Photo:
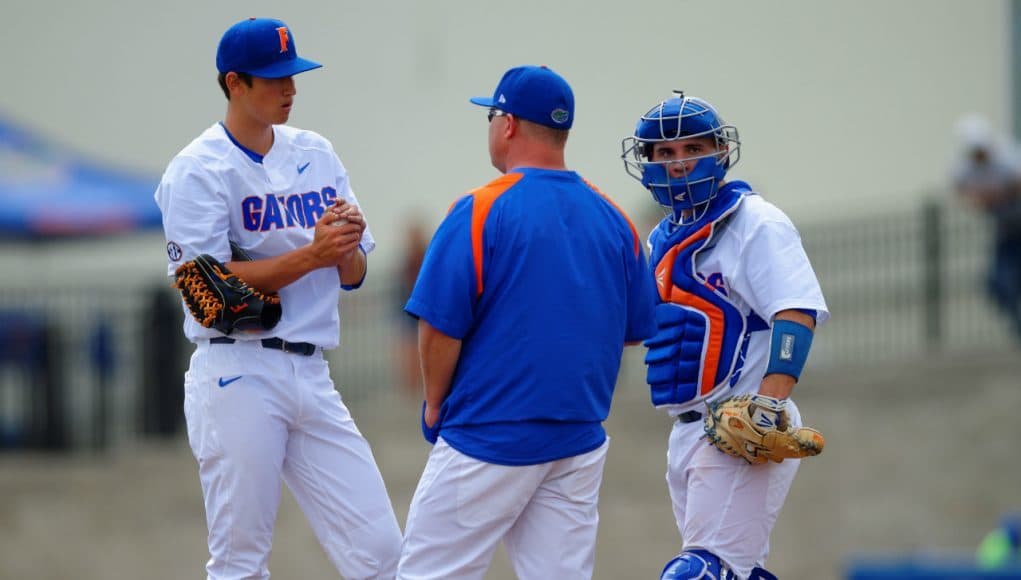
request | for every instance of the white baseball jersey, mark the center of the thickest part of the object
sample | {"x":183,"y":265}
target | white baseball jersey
{"x":213,"y":193}
{"x":756,"y":259}
{"x":255,"y":414}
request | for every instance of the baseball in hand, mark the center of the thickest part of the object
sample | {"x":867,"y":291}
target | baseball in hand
{"x":341,"y":220}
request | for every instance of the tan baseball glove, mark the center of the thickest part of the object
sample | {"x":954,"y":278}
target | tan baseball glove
{"x":757,"y":428}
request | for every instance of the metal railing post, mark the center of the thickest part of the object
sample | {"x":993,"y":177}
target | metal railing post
{"x":932,"y":274}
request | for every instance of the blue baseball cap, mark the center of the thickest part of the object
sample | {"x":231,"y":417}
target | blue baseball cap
{"x":261,"y":47}
{"x":534,"y":93}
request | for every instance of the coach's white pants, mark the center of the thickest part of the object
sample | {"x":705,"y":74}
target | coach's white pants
{"x":283,"y":417}
{"x":722,"y":503}
{"x":546,"y":515}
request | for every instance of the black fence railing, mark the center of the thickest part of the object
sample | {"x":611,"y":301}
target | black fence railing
{"x":904,"y":285}
{"x":81,"y":367}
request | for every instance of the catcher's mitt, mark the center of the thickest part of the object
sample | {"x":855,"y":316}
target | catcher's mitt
{"x":757,"y":429}
{"x":219,"y":299}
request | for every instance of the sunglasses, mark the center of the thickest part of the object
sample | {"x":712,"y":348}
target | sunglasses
{"x":496,"y":113}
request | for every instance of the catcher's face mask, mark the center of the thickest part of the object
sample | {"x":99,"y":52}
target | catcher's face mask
{"x":686,"y":195}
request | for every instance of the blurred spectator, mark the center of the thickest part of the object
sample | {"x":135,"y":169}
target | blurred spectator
{"x":415,"y":242}
{"x":988,"y":177}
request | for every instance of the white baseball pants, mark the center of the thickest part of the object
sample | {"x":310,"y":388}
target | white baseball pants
{"x":722,"y":503}
{"x":545,"y":514}
{"x":256,"y":414}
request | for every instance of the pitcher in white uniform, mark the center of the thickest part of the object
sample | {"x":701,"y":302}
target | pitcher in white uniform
{"x":261,"y":406}
{"x":734,"y":283}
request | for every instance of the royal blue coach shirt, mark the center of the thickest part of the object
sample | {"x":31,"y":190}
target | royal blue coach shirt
{"x":543,"y":279}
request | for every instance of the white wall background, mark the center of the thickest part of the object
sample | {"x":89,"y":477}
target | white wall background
{"x":845,"y":108}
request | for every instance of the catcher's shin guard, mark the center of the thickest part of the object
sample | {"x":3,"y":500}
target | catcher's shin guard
{"x":696,"y":565}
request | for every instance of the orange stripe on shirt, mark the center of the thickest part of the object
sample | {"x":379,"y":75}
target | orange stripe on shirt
{"x":634,"y":230}
{"x":665,"y":267}
{"x":482,"y":201}
{"x":714,"y":342}
{"x":668,"y":292}
{"x":700,"y":235}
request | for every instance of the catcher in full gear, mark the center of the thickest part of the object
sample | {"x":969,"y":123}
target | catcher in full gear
{"x":737,"y":307}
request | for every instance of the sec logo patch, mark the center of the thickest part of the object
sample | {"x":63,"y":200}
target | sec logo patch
{"x":174,"y":252}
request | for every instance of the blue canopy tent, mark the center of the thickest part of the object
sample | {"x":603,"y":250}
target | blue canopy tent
{"x":51,"y":321}
{"x":47,"y":191}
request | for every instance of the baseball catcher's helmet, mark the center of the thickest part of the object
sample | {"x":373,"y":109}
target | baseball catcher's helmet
{"x":680,"y":117}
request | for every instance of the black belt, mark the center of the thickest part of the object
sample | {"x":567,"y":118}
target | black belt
{"x":302,"y":348}
{"x":689,"y":417}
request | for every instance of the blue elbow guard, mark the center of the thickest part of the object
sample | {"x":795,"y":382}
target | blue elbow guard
{"x":788,"y":348}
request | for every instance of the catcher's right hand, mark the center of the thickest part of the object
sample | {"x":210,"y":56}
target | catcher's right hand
{"x":219,"y":299}
{"x":757,"y":429}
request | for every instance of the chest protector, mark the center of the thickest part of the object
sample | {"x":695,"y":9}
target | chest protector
{"x":701,"y":336}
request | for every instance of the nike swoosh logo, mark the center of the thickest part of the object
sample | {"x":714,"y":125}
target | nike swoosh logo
{"x":301,"y":168}
{"x":225,"y":382}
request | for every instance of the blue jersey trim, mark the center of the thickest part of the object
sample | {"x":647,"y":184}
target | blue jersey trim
{"x":756,"y":323}
{"x":358,"y":284}
{"x":251,"y":154}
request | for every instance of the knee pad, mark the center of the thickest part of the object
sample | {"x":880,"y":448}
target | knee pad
{"x":696,"y":565}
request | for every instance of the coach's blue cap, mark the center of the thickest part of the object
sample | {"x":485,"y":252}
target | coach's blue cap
{"x":534,"y":93}
{"x":261,"y":47}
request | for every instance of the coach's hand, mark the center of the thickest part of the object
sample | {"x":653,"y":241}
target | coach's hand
{"x":430,"y":423}
{"x":431,"y":415}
